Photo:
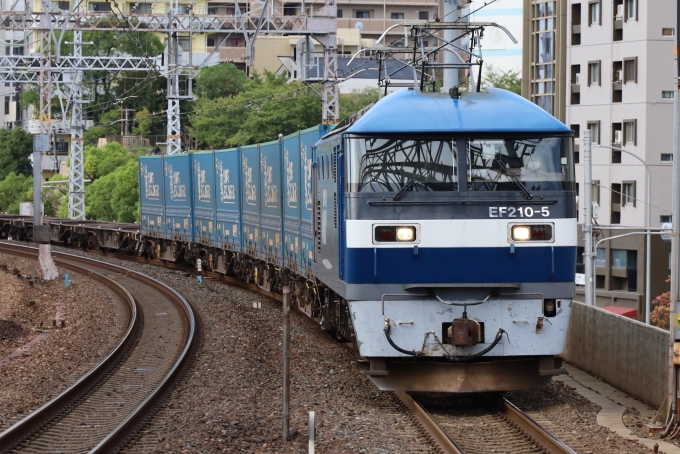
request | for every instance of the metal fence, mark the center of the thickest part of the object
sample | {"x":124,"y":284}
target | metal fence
{"x":137,"y":141}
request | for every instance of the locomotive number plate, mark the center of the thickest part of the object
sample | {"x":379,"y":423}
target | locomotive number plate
{"x":521,"y":212}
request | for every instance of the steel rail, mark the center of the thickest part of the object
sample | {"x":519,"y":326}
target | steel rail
{"x":117,"y":437}
{"x":24,"y":428}
{"x":547,"y":440}
{"x":428,"y":424}
{"x":517,"y":417}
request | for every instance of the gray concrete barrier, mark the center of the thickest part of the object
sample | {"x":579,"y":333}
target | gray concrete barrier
{"x":625,"y":353}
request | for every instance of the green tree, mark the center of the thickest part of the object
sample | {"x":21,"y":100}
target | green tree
{"x":220,"y":81}
{"x":267,"y":106}
{"x":144,"y":122}
{"x":510,"y":80}
{"x":100,"y":162}
{"x":125,"y":197}
{"x":16,"y":145}
{"x":98,"y":197}
{"x":115,"y":196}
{"x":14,"y":189}
{"x":356,"y":100}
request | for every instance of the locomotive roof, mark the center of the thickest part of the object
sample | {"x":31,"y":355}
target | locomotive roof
{"x":493,"y":110}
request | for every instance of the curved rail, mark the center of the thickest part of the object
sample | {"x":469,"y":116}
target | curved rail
{"x":47,"y":412}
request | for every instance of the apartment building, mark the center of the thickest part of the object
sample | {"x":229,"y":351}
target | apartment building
{"x":619,"y":61}
{"x":544,"y":54}
{"x":14,"y":43}
{"x":497,"y":48}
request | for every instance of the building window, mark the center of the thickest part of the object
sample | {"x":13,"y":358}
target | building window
{"x":577,"y":133}
{"x":628,"y":193}
{"x":630,"y":132}
{"x":423,"y":15}
{"x":631,"y":9}
{"x":615,"y":203}
{"x":363,"y":15}
{"x":575,"y":74}
{"x":100,"y":7}
{"x":667,"y":32}
{"x":594,"y":17}
{"x":142,"y":8}
{"x":594,"y":73}
{"x":594,"y":127}
{"x":665,"y":218}
{"x":339,"y":13}
{"x":397,"y":16}
{"x":630,"y":70}
{"x":667,"y":95}
{"x":576,"y":24}
{"x":6,"y":105}
{"x":210,"y":41}
{"x":543,"y":86}
{"x":666,"y":157}
{"x":290,"y":10}
{"x":617,"y":134}
{"x":601,"y":257}
{"x":619,"y":258}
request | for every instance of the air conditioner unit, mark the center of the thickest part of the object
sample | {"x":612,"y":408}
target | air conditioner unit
{"x":618,"y":75}
{"x":619,"y":12}
{"x":618,"y":136}
{"x":577,"y":78}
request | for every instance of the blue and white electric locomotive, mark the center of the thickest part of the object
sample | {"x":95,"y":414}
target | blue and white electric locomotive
{"x":445,"y":237}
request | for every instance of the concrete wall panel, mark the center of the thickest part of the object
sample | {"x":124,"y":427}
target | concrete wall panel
{"x":625,"y":353}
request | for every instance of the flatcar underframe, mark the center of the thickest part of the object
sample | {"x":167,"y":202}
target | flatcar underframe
{"x":309,"y":296}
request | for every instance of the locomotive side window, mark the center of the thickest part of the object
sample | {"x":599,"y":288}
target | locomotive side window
{"x":505,"y":164}
{"x":391,"y":165}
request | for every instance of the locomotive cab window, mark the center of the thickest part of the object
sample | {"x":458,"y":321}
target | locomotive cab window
{"x":520,"y":164}
{"x":394,"y":164}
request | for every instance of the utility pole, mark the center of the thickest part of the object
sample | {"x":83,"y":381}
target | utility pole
{"x":41,"y":144}
{"x":76,"y":181}
{"x":174,"y":129}
{"x":674,"y":308}
{"x":588,"y":258}
{"x":451,"y":14}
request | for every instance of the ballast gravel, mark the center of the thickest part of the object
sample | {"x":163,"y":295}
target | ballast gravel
{"x":94,"y":321}
{"x":230,"y":399}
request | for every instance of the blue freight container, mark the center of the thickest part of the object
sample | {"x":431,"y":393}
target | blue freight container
{"x":228,"y":199}
{"x":178,"y":213}
{"x":271,"y":214}
{"x":308,"y":138}
{"x":291,"y":203}
{"x":250,"y":187}
{"x":151,"y":216}
{"x":203,"y":192}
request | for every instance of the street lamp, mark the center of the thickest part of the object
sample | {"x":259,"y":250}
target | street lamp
{"x":648,"y":224}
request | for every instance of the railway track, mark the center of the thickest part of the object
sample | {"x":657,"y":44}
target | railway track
{"x":506,"y":428}
{"x":103,"y":409}
{"x":472,"y":424}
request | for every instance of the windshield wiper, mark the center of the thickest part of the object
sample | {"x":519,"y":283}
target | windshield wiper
{"x":407,"y":186}
{"x":514,"y":178}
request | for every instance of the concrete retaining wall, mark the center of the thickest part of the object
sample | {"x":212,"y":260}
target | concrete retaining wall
{"x":625,"y":353}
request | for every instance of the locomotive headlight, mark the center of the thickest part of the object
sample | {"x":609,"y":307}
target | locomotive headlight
{"x":521,"y":233}
{"x":395,"y":234}
{"x":406,"y":233}
{"x":531,"y":232}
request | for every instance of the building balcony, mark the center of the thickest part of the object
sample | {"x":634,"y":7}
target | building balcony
{"x":373,"y":26}
{"x":230,"y":53}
